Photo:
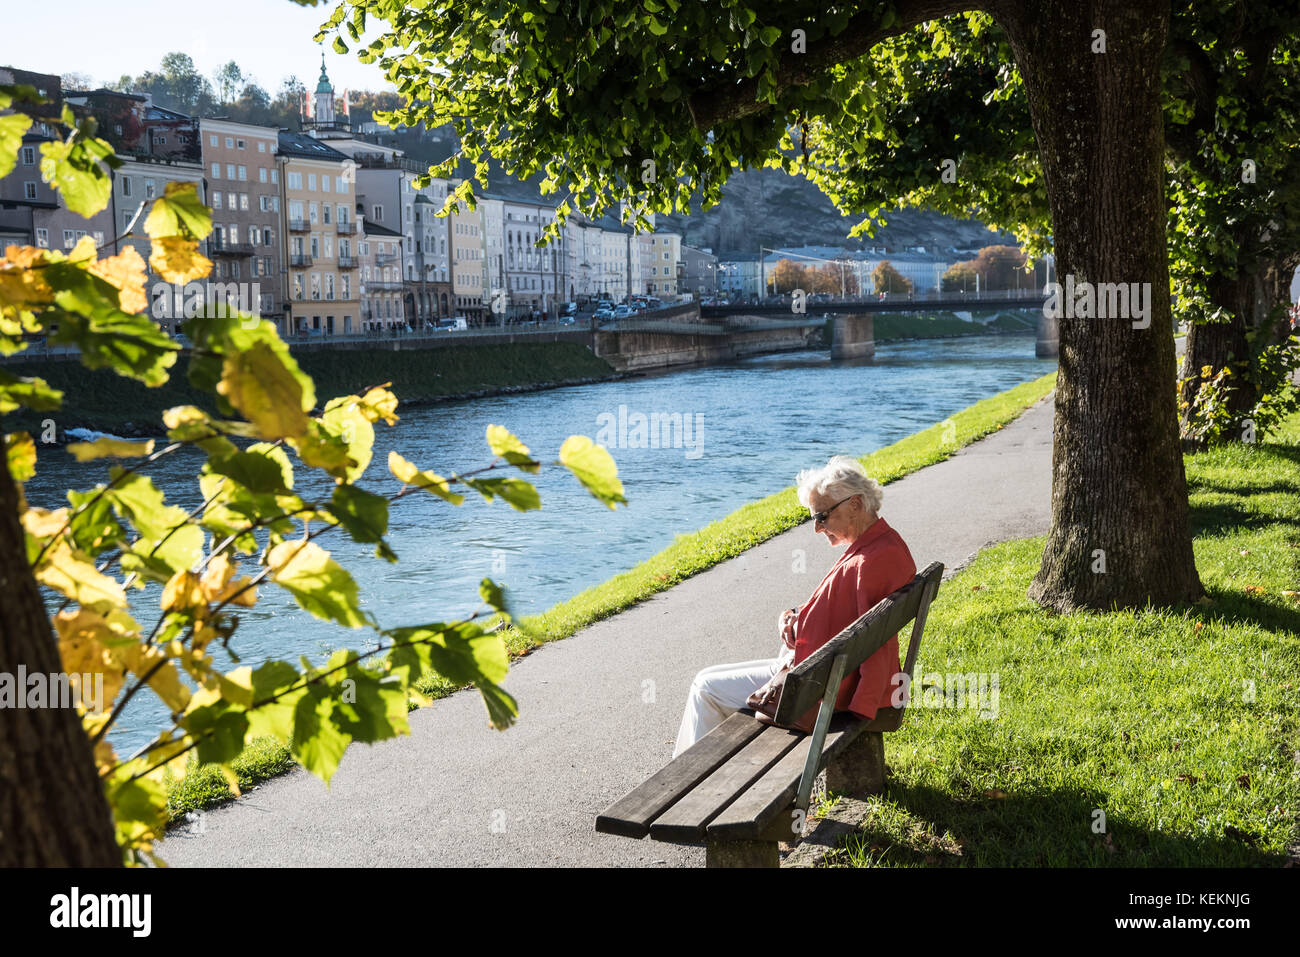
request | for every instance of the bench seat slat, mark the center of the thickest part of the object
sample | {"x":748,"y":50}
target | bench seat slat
{"x":632,"y":815}
{"x":774,"y":793}
{"x":686,"y":820}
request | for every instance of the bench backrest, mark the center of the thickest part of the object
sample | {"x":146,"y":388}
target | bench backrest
{"x":807,"y":682}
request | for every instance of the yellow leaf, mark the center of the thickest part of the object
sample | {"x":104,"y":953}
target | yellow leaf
{"x":164,"y":679}
{"x":257,"y":382}
{"x":79,"y":579}
{"x":85,"y":648}
{"x":84,"y":252}
{"x":42,"y":523}
{"x":20,"y":283}
{"x":108,"y":447}
{"x":408,"y":474}
{"x":183,"y":595}
{"x":379,"y":403}
{"x":126,"y":272}
{"x":179,"y":260}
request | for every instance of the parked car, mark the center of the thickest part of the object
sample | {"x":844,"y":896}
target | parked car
{"x":570,"y":309}
{"x":604,"y":312}
{"x":622,"y":312}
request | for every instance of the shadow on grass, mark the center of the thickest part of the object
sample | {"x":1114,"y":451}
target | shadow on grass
{"x":1051,"y":828}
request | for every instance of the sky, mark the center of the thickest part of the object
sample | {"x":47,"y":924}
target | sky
{"x":132,"y":36}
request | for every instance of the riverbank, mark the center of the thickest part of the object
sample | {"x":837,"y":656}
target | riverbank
{"x":691,"y":554}
{"x":100,"y":399}
{"x":1161,"y":738}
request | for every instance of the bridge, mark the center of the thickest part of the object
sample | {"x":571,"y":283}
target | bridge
{"x":950,"y":302}
{"x":688,"y":333}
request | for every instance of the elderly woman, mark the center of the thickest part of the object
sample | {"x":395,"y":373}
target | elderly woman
{"x":844,"y":504}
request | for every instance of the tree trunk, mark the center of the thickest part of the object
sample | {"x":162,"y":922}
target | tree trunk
{"x":53,"y":812}
{"x":1119,"y":535}
{"x":1250,"y":298}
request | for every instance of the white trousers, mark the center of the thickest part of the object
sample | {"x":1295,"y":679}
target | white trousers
{"x":719,"y":691}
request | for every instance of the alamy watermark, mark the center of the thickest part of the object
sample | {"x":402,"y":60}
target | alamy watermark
{"x":59,"y":690}
{"x":657,"y":430}
{"x":206,"y":300}
{"x":975,"y":690}
{"x":1103,"y":300}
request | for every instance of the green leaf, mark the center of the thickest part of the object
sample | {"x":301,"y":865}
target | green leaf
{"x":73,"y":167}
{"x":319,"y":584}
{"x":364,"y":515}
{"x":29,"y":391}
{"x":90,"y":318}
{"x":520,"y":495}
{"x":178,"y":212}
{"x":20,"y":455}
{"x":318,"y":743}
{"x":257,"y":471}
{"x":462,"y":654}
{"x":594,"y":468}
{"x":221,"y":729}
{"x":507,"y":446}
{"x":12,"y":128}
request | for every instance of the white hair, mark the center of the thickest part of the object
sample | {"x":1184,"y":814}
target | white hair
{"x":840,"y":478}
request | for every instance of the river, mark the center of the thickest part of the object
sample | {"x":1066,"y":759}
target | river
{"x":754,"y":424}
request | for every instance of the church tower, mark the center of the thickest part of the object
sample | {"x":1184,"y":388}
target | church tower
{"x":324,"y":97}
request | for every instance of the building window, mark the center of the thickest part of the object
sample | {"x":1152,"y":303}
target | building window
{"x":325,"y":184}
{"x":262,"y":203}
{"x":126,"y":186}
{"x":243,"y":201}
{"x":261,"y":174}
{"x":230,"y":200}
{"x":268,"y":236}
{"x":329,"y":285}
{"x":377,"y":213}
{"x":43,"y":238}
{"x":275,"y":176}
{"x":69,"y":239}
{"x":29,"y":189}
{"x":230,"y":171}
{"x":29,"y":156}
{"x":216,"y":199}
{"x":212,"y":140}
{"x":148,"y":189}
{"x":325,"y":211}
{"x":243,"y":172}
{"x":261,"y":146}
{"x":311,"y":182}
{"x":239,"y":144}
{"x":216,"y":169}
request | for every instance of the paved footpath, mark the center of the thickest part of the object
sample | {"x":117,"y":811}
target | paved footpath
{"x":599,"y":711}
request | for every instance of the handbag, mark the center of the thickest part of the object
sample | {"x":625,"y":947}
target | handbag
{"x":767,"y":699}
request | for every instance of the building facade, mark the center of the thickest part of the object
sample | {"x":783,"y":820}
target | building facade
{"x":322,"y":290}
{"x":243,"y":175}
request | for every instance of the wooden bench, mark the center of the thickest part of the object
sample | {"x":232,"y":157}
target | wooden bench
{"x":746,"y":785}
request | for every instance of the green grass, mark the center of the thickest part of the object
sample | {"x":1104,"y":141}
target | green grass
{"x":748,"y":526}
{"x":1142,"y":715}
{"x":101,"y":399}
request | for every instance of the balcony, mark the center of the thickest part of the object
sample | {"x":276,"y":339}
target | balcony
{"x":347,"y":262}
{"x":380,"y":285}
{"x":220,"y":247}
{"x":388,"y":259}
{"x":300,"y":226}
{"x":346,"y":229}
{"x":300,"y":259}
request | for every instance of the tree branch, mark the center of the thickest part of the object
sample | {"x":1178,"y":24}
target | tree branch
{"x":739,"y":100}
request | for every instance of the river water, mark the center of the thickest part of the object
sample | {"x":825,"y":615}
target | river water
{"x":752,"y":425}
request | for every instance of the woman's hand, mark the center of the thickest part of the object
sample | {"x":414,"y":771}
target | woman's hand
{"x":785,"y":625}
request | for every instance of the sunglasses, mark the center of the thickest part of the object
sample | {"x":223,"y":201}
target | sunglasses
{"x":819,"y":518}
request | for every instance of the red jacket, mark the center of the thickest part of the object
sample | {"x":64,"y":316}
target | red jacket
{"x":875,"y":565}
